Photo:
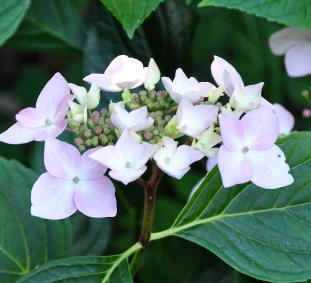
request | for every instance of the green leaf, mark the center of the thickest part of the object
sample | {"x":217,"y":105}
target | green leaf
{"x":131,"y":13}
{"x":50,"y":24}
{"x":104,"y":269}
{"x":91,"y":235}
{"x":11,"y":14}
{"x":25,"y":241}
{"x":263,"y":233}
{"x":289,"y":12}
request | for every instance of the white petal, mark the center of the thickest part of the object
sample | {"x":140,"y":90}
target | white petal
{"x":234,"y":167}
{"x":270,"y":170}
{"x":61,"y":159}
{"x":298,"y":60}
{"x":225,"y":75}
{"x":127,"y":176}
{"x":52,"y":198}
{"x":285,"y":118}
{"x":96,"y":198}
{"x":283,"y":40}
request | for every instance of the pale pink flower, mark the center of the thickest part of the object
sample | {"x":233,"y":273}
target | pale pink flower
{"x":135,"y":120}
{"x":285,"y":118}
{"x":241,"y":96}
{"x":46,"y":120}
{"x":194,"y":119}
{"x":122,"y":73}
{"x":72,"y":182}
{"x":184,"y":87}
{"x":295,"y":44}
{"x":175,"y":161}
{"x":306,"y":113}
{"x":126,"y":159}
{"x":248,"y":152}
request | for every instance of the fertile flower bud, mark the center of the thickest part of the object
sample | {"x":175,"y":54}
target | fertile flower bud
{"x":206,"y":141}
{"x":126,"y":95}
{"x":152,"y":76}
{"x":77,"y":114}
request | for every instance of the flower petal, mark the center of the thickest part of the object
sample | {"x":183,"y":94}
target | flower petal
{"x":62,"y":160}
{"x":91,"y":169}
{"x":103,"y":82}
{"x":19,"y":134}
{"x":270,"y":170}
{"x":96,"y":198}
{"x":285,"y":118}
{"x":261,"y":128}
{"x":231,"y":131}
{"x":127,"y":176}
{"x":283,"y":40}
{"x":31,"y":117}
{"x":298,"y":60}
{"x":108,"y":157}
{"x":193,"y":120}
{"x":52,"y":198}
{"x":234,"y":167}
{"x":225,"y":75}
{"x":53,"y":94}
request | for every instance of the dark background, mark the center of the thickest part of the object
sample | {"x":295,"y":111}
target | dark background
{"x":176,"y":35}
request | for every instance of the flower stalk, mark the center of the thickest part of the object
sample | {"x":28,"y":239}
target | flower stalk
{"x":150,"y":188}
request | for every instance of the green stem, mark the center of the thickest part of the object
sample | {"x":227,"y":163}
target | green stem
{"x":150,"y":189}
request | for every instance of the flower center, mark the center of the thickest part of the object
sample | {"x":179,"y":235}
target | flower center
{"x":128,"y":165}
{"x":167,"y":160}
{"x":48,"y":122}
{"x":76,"y":180}
{"x":245,"y":149}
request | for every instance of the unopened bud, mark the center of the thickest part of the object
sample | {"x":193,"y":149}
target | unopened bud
{"x":98,"y":130}
{"x":126,"y":96}
{"x":152,"y":76}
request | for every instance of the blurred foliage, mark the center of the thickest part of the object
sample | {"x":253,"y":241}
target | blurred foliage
{"x":79,"y":37}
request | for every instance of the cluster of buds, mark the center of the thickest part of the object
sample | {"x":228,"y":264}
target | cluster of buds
{"x":174,"y":127}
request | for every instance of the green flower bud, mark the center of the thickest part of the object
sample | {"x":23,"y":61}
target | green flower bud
{"x":171,"y":129}
{"x":126,"y":96}
{"x":95,"y":141}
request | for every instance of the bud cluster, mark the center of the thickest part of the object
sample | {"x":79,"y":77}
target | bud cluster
{"x":98,"y":131}
{"x":154,"y":100}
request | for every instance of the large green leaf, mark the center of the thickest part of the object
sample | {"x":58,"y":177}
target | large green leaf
{"x":131,"y":13}
{"x":25,"y":241}
{"x":50,"y":24}
{"x":289,"y":12}
{"x":91,"y":235}
{"x":263,"y":233}
{"x":11,"y":14}
{"x":104,"y":269}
